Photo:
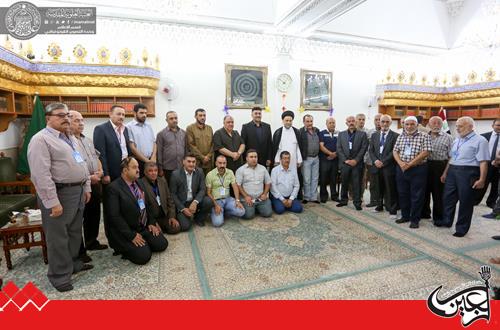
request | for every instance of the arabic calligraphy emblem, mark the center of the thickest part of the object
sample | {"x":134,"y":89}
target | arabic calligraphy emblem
{"x":23,"y":20}
{"x":473,"y":302}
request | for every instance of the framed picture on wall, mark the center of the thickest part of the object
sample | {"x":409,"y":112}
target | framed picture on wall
{"x":315,"y":90}
{"x":246,"y":86}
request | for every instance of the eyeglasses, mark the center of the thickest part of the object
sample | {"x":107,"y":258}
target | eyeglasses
{"x":60,"y":115}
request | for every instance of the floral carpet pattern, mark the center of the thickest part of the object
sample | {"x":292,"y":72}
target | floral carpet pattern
{"x":323,"y":253}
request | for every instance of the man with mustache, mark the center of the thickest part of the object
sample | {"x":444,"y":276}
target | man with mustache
{"x":441,"y":146}
{"x":133,"y":231}
{"x":92,"y":212}
{"x":62,"y":181}
{"x":410,"y":152}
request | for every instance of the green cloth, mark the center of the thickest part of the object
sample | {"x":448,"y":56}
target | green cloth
{"x":37,"y":123}
{"x":214,"y":181}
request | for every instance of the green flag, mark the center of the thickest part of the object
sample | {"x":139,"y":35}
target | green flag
{"x":37,"y":123}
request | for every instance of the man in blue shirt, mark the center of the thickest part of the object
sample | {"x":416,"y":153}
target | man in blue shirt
{"x":142,"y":139}
{"x":464,"y":175}
{"x":329,"y":163}
{"x":285,"y":186}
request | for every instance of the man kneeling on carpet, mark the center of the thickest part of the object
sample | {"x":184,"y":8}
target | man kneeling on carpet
{"x":135,"y":234}
{"x":285,"y":187}
{"x":254,"y":184}
{"x":159,"y":201}
{"x":218,"y":182}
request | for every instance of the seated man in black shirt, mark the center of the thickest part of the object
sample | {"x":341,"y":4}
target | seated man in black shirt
{"x":132,"y":231}
{"x":159,"y":202}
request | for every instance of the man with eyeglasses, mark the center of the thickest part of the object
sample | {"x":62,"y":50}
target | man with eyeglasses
{"x":62,"y":182}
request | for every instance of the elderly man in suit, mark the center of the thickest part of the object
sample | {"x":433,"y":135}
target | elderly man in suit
{"x":159,"y":200}
{"x":257,"y":135}
{"x":187,"y":186}
{"x":112,"y":141}
{"x":383,"y":170}
{"x":351,"y":148}
{"x":132,"y":231}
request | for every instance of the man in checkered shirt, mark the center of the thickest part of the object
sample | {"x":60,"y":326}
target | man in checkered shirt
{"x":410,"y":152}
{"x":441,"y":146}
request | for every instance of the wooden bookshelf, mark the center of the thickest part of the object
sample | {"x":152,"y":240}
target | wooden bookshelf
{"x":15,"y":104}
{"x":477,"y":112}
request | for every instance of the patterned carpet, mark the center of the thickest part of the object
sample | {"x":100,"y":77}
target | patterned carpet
{"x":323,"y":253}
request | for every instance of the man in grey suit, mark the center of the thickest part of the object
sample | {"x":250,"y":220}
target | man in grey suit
{"x":187,"y":186}
{"x":383,"y":170}
{"x":351,"y":148}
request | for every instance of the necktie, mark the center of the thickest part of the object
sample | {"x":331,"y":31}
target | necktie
{"x":495,"y":147}
{"x":382,"y":142}
{"x":119,"y":133}
{"x":138,"y":196}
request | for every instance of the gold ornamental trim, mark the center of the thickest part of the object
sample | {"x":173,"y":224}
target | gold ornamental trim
{"x":480,"y":97}
{"x":20,"y":77}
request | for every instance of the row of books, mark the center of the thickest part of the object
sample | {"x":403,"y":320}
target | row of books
{"x":80,"y":106}
{"x":3,"y":104}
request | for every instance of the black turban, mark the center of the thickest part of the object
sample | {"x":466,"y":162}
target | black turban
{"x":287,"y":113}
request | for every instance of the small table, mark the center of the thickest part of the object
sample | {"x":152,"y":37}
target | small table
{"x":12,"y":233}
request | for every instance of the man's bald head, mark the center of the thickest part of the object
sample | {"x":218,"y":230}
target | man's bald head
{"x":76,"y":123}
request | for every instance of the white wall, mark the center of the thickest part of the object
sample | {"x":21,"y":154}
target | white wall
{"x":194,"y":58}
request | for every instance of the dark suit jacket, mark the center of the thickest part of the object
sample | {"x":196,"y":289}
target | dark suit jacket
{"x":167,"y":202}
{"x":304,"y":142}
{"x":387,"y":156}
{"x":487,"y":135}
{"x":107,"y":143}
{"x":264,"y":146}
{"x":123,"y":214}
{"x":277,"y":140}
{"x":178,"y":187}
{"x":359,"y":147}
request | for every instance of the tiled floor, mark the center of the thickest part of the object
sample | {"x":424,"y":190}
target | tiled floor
{"x":324,"y":253}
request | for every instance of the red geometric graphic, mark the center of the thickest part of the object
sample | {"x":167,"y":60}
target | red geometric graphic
{"x":11,"y":297}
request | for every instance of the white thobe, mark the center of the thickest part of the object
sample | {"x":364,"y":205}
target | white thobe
{"x":289,"y":143}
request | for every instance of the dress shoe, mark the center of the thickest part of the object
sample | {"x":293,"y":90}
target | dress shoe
{"x":316,"y":201}
{"x":401,"y":220}
{"x":341,"y":204}
{"x":358,"y":208}
{"x":116,"y":253}
{"x":371,"y":205}
{"x":64,"y":288}
{"x":84,"y":268}
{"x":414,"y":225}
{"x":323,"y":201}
{"x":200,"y":223}
{"x":438,"y":224}
{"x":305,"y":201}
{"x":457,"y":234}
{"x":379,"y":209}
{"x":96,"y":246}
{"x":85,"y":258}
{"x":490,"y":216}
{"x":497,"y":237}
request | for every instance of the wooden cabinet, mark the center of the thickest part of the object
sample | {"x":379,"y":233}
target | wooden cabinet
{"x":14,"y":104}
{"x":477,"y":112}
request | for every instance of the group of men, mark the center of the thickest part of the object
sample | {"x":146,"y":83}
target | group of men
{"x":149,"y":185}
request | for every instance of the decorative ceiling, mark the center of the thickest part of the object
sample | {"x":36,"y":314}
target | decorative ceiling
{"x":430,"y":26}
